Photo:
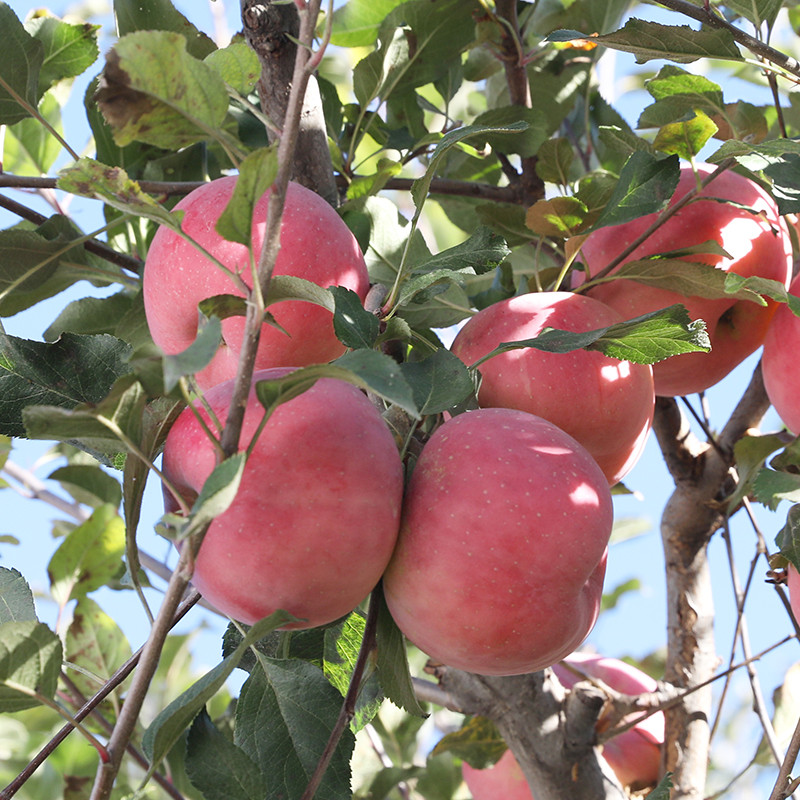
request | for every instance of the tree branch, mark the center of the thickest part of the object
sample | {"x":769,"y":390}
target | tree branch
{"x":272,"y":30}
{"x":551,"y":733}
{"x":694,"y":512}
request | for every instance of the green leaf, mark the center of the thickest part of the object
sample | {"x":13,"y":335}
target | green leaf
{"x":646,"y":185}
{"x":440,"y":382}
{"x":89,"y":557}
{"x":218,"y":492}
{"x":556,"y":157}
{"x":238,"y":65}
{"x":37,"y":264}
{"x":75,"y":369}
{"x":30,"y":659}
{"x":678,"y":92}
{"x":284,"y":717}
{"x":750,"y":453}
{"x":217,"y":767}
{"x":95,"y":644}
{"x":734,"y":284}
{"x":756,"y":11}
{"x":560,"y":216}
{"x":152,"y":90}
{"x":99,"y":428}
{"x":353,"y":324}
{"x":366,"y":369}
{"x":69,"y":49}
{"x":611,"y":598}
{"x":771,"y":487}
{"x":356,"y":24}
{"x":90,"y":315}
{"x":685,"y":139}
{"x":648,"y":40}
{"x":483,"y":251}
{"x":256,"y":174}
{"x":161,"y":15}
{"x":421,"y":186}
{"x":89,"y":484}
{"x":785,"y":177}
{"x":689,"y":278}
{"x":16,"y":598}
{"x":20,"y":66}
{"x":643,"y":340}
{"x":662,"y":791}
{"x":393,"y":671}
{"x":89,"y":178}
{"x":172,"y":721}
{"x":341,"y":651}
{"x":196,"y":356}
{"x":525,"y":141}
{"x":477,"y":741}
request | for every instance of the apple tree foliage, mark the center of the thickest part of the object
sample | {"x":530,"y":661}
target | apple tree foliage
{"x":469,"y":139}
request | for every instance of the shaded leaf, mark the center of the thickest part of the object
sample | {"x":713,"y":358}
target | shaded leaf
{"x":22,"y":61}
{"x":440,"y":382}
{"x":392,"y":664}
{"x":648,"y":40}
{"x":75,"y":369}
{"x":216,"y":766}
{"x":173,"y":720}
{"x":646,"y":185}
{"x":256,"y":174}
{"x":89,"y":484}
{"x":561,"y":216}
{"x":284,"y":717}
{"x":30,"y":659}
{"x":477,"y":741}
{"x":770,"y":487}
{"x":160,"y":15}
{"x":16,"y":598}
{"x":354,"y":326}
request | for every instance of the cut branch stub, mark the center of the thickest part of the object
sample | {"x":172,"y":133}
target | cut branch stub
{"x":271,"y":29}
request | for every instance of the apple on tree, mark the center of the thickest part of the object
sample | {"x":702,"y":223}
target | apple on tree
{"x":779,"y":363}
{"x":604,"y":403}
{"x":501,"y":555}
{"x":752,"y":232}
{"x":316,"y":515}
{"x":315,"y":245}
{"x":634,"y":755}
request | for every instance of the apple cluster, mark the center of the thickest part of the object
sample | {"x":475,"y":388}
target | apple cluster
{"x":493,"y":552}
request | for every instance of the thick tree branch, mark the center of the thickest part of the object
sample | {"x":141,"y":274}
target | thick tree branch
{"x":694,"y":512}
{"x":551,"y":733}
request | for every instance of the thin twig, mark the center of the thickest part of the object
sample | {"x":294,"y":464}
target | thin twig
{"x":111,"y":685}
{"x":347,"y":711}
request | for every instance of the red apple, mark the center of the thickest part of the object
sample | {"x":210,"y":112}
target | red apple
{"x":793,"y":581}
{"x":316,"y":516}
{"x":604,"y":403}
{"x":754,"y":235}
{"x":635,"y":755}
{"x":502,"y":781}
{"x":501,"y":555}
{"x":315,"y":245}
{"x":779,"y":363}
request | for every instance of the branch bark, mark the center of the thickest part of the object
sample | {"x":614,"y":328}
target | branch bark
{"x":693,"y":513}
{"x":272,"y":30}
{"x":551,"y":733}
